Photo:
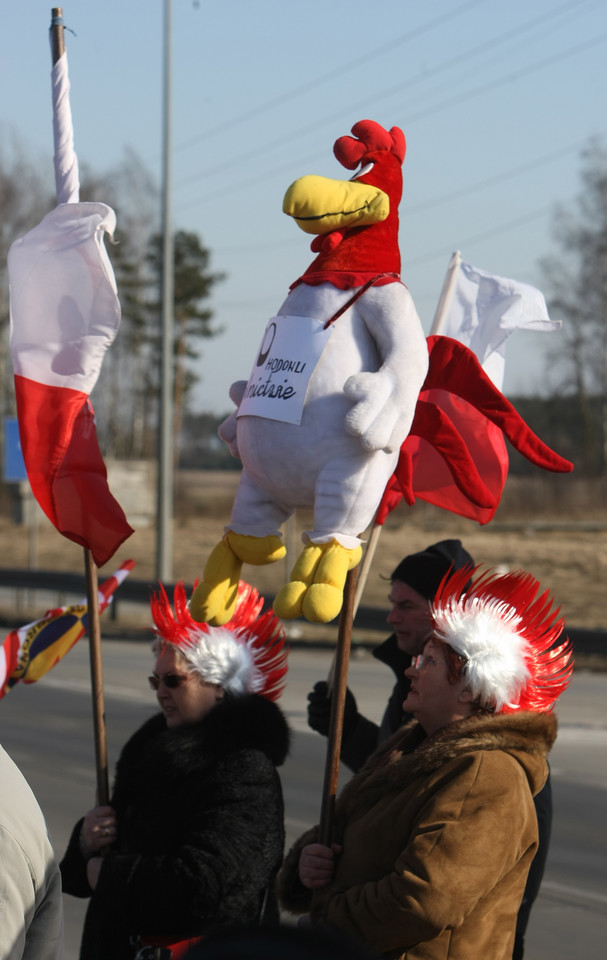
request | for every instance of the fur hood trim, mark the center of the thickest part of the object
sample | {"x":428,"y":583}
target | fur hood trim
{"x":408,"y":754}
{"x":250,"y":722}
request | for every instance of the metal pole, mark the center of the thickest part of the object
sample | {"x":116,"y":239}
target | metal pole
{"x":165,"y":447}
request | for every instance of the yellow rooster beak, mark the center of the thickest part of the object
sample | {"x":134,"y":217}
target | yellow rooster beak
{"x":320,"y":205}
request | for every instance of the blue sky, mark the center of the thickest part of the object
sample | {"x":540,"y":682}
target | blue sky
{"x":496,"y":101}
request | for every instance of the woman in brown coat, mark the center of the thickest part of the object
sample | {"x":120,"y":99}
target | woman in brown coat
{"x":436,"y":833}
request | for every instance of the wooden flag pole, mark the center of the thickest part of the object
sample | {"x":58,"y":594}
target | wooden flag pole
{"x":338,"y":699}
{"x":442,"y":309}
{"x":365,"y":565}
{"x":363,"y":575}
{"x":337,"y":679}
{"x":57,"y":33}
{"x":94,"y":632}
{"x":446,"y":295}
{"x":90,"y":569}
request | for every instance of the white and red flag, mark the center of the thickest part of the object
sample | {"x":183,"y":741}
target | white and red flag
{"x":455,"y":456}
{"x":65,"y":313}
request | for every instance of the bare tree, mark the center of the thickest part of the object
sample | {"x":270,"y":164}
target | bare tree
{"x":24,"y":199}
{"x":122,"y":398}
{"x":193,"y":283}
{"x":576,"y":285}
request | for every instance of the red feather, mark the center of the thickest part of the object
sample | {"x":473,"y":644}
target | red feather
{"x":550,"y":667}
{"x":262,"y":633}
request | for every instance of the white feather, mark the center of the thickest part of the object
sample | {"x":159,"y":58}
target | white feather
{"x":484,"y":632}
{"x":219,"y":657}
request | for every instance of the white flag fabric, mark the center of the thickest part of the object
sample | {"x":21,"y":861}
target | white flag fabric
{"x":486,"y":309}
{"x":64,"y":315}
{"x":67,"y":182}
{"x":65,"y":310}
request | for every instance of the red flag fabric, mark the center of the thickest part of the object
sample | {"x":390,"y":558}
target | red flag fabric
{"x":455,"y":455}
{"x":469,"y":480}
{"x":64,"y":314}
{"x":32,"y":650}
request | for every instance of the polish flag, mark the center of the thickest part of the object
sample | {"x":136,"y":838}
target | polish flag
{"x":455,"y":456}
{"x":64,"y":315}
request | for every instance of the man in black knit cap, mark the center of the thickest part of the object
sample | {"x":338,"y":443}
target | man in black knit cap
{"x":413,"y":584}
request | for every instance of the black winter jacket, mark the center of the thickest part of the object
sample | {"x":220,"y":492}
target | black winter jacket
{"x":200,"y":830}
{"x":364,"y":735}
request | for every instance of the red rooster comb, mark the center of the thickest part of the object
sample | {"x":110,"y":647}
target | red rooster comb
{"x":368,"y":138}
{"x":506,"y":634}
{"x":248,"y":654}
{"x":350,"y":256}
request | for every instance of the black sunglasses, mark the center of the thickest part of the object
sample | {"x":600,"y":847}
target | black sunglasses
{"x":170,"y":680}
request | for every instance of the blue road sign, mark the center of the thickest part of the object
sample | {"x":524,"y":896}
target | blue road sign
{"x":13,"y":466}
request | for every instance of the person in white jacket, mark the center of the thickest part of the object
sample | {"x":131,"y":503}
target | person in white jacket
{"x":31,"y":908}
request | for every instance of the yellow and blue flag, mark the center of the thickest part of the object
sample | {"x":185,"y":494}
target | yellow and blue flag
{"x":32,"y":650}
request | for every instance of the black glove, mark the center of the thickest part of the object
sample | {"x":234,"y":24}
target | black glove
{"x":319,"y":710}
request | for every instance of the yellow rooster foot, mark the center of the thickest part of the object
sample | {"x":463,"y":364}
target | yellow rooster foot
{"x":214,"y":599}
{"x":316,"y":587}
{"x":256,"y":550}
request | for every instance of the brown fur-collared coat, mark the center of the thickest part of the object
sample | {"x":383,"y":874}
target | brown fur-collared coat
{"x":437,"y":834}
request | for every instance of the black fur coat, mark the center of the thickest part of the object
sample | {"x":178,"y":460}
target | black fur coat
{"x":200,"y":830}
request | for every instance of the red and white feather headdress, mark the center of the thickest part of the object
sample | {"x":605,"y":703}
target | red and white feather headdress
{"x":248,"y":654}
{"x":507,"y":635}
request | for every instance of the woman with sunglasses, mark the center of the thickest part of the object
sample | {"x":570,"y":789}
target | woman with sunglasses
{"x":435,"y":835}
{"x":193,"y":837}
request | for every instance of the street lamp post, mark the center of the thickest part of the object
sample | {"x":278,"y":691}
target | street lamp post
{"x":164,"y":549}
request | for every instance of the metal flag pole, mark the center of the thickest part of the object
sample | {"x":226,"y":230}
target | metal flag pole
{"x":67,"y":189}
{"x":164,"y":547}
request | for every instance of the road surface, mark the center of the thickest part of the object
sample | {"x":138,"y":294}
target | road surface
{"x":47,"y":729}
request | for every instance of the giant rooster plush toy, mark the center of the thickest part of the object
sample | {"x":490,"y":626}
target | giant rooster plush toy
{"x":333,"y":391}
